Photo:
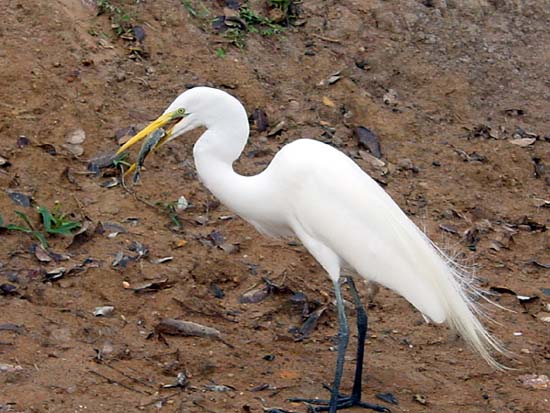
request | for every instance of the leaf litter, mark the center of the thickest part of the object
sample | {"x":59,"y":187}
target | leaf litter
{"x":369,"y":140}
{"x":104,"y":311}
{"x":259,"y":117}
{"x":151,"y":286}
{"x":175,"y":327}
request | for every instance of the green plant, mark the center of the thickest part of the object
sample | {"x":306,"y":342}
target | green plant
{"x":121,"y":21}
{"x":54,"y":222}
{"x":284,"y":5}
{"x":120,"y":160}
{"x":29,"y":229}
{"x":193,"y":9}
{"x":236,"y":37}
{"x":220,"y":52}
{"x":259,"y":24}
{"x":105,"y":7}
{"x":247,"y":22}
{"x":170,"y":208}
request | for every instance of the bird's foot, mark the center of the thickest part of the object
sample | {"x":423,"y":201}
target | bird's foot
{"x":342,"y":402}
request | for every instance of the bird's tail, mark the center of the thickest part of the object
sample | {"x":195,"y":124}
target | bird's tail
{"x":458,"y":297}
{"x":398,"y":255}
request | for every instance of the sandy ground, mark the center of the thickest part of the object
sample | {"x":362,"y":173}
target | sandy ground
{"x":456,"y":92}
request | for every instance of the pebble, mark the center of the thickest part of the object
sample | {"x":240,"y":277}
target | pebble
{"x":120,"y":77}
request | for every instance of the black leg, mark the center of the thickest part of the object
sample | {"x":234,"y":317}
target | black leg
{"x":362,"y":325}
{"x":338,"y":401}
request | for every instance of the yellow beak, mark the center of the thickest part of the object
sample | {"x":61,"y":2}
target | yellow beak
{"x":158,"y":123}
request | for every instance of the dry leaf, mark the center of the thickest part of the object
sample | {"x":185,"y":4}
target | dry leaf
{"x":535,"y":381}
{"x":41,"y":254}
{"x":180,"y":243}
{"x":188,"y":328}
{"x":328,"y":102}
{"x":523,"y":142}
{"x":104,"y":311}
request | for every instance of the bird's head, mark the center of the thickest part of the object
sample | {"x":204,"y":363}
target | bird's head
{"x":200,"y":106}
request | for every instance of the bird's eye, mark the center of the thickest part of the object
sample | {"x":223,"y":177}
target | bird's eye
{"x":181,"y":111}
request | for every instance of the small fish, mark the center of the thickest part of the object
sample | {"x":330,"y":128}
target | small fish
{"x":150,"y":142}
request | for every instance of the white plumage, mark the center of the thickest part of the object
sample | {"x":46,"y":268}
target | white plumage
{"x":341,"y":215}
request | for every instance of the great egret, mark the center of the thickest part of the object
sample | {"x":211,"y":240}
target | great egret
{"x":314,"y":192}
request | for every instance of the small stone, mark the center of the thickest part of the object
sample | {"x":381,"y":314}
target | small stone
{"x":9,"y":368}
{"x":120,"y":76}
{"x":76,"y":150}
{"x":405,"y":164}
{"x":76,"y":137}
{"x":419,"y":398}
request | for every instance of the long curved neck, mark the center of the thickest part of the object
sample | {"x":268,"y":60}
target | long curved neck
{"x":214,"y":154}
{"x":254,"y":198}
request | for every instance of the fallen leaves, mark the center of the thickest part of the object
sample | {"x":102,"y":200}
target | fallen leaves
{"x":61,"y":272}
{"x":258,"y":294}
{"x":19,"y":198}
{"x":9,"y":368}
{"x":8,"y":289}
{"x":12,"y":327}
{"x":259,"y":117}
{"x":535,"y":381}
{"x":104,"y":311}
{"x":369,"y":140}
{"x":523,"y":299}
{"x":150,"y":286}
{"x":175,"y":327}
{"x":42,"y":254}
{"x":523,"y":142}
{"x":328,"y":102}
{"x":4,"y":163}
{"x":254,"y":296}
{"x":309,"y":324}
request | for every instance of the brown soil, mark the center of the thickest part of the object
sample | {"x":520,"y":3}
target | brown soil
{"x":436,"y":75}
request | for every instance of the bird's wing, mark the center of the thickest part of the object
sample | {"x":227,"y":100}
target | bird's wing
{"x":331,"y":200}
{"x":334,"y":201}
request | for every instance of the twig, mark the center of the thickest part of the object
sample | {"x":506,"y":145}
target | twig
{"x":79,"y":206}
{"x":159,"y":399}
{"x":112,"y":381}
{"x":214,"y":313}
{"x":135,"y":379}
{"x":327,"y":39}
{"x":122,"y":174}
{"x":133,"y":193}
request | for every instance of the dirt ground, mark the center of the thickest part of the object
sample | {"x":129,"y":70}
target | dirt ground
{"x":457,"y":93}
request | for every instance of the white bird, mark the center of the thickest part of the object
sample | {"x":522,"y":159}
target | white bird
{"x":314,"y":192}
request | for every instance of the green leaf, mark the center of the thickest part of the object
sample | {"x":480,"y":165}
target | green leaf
{"x":13,"y":227}
{"x":65,"y":228}
{"x":40,"y":237}
{"x":25,"y":218}
{"x":55,"y":223}
{"x":47,"y":218}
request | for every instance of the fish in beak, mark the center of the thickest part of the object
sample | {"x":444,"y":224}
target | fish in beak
{"x":156,"y":137}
